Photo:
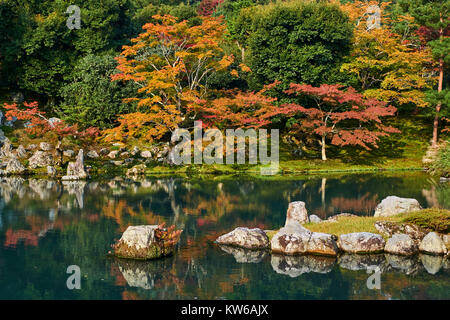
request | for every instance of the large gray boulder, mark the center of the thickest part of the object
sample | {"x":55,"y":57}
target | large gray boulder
{"x":291,"y":239}
{"x":40,"y":159}
{"x":401,"y":244}
{"x":433,"y":244}
{"x":295,"y":239}
{"x":297,"y":212}
{"x":361,"y":242}
{"x":322,"y":244}
{"x":75,"y":170}
{"x":145,"y":242}
{"x":393,"y":205}
{"x":245,"y":238}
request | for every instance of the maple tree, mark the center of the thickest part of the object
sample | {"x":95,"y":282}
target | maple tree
{"x":344,"y":116}
{"x":38,"y":124}
{"x":239,"y":109}
{"x":171,"y":62}
{"x":388,"y":66}
{"x":208,"y":7}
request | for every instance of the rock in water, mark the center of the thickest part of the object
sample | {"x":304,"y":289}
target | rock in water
{"x":295,"y":239}
{"x":401,"y":244}
{"x":297,"y":212}
{"x":245,"y":238}
{"x":361,"y":242}
{"x":146,"y":242}
{"x":393,"y":205}
{"x":433,"y":244}
{"x":75,"y":170}
{"x":292,"y":239}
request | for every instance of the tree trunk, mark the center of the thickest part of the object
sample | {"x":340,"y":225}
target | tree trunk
{"x":434,"y":141}
{"x":323,"y":145}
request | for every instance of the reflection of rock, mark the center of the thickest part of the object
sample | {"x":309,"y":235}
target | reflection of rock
{"x":295,"y":266}
{"x":245,"y":238}
{"x":389,"y":228}
{"x":245,"y":255}
{"x":361,"y":242}
{"x":137,"y":273}
{"x":433,"y":244}
{"x":393,"y":205}
{"x":408,"y":265}
{"x":76,"y":188}
{"x":431,"y":263}
{"x":297,"y":212}
{"x":401,"y":244}
{"x":43,"y":188}
{"x":361,"y":261}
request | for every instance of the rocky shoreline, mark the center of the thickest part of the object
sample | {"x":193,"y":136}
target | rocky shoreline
{"x":66,"y":164}
{"x":294,"y":243}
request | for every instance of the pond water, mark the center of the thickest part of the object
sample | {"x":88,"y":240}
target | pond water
{"x":46,"y":226}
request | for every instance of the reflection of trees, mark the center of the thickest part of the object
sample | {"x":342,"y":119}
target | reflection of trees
{"x":53,"y":225}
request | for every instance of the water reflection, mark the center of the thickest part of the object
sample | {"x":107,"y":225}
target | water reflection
{"x":47,"y":225}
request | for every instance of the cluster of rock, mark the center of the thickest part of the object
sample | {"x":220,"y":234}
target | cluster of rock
{"x":23,"y":160}
{"x":294,"y":239}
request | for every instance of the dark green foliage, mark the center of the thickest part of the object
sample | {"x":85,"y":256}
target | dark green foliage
{"x":91,"y":98}
{"x":294,"y":42}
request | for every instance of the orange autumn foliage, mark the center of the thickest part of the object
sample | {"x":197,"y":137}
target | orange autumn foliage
{"x":171,"y":62}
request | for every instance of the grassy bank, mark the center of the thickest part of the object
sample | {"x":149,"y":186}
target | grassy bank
{"x":429,"y":219}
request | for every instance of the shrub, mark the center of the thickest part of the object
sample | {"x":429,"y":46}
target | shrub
{"x":92,"y":99}
{"x":442,"y":164}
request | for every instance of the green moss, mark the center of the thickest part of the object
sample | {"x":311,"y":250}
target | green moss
{"x":430,"y":219}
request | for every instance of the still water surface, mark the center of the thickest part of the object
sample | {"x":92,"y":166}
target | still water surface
{"x":45,"y":226}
